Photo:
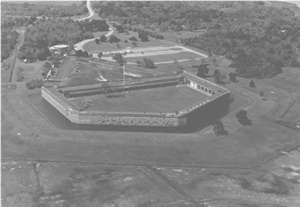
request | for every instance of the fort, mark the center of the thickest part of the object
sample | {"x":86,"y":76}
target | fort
{"x":162,"y":101}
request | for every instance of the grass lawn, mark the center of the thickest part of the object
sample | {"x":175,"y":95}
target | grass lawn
{"x":164,"y":99}
{"x":92,"y":47}
{"x":30,"y":70}
{"x":184,"y":56}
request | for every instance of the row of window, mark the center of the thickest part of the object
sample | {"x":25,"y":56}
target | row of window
{"x":205,"y":89}
{"x":200,"y":87}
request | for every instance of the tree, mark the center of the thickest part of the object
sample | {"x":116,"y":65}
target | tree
{"x":148,"y":63}
{"x":143,"y":36}
{"x":45,"y":33}
{"x":252,"y":84}
{"x":81,"y":53}
{"x":134,"y":44}
{"x":219,"y":129}
{"x":232,"y":77}
{"x":43,"y":53}
{"x":46,"y":67}
{"x":242,"y":117}
{"x":119,"y":28}
{"x":103,"y":38}
{"x":202,"y":70}
{"x":133,"y":38}
{"x":218,"y":76}
{"x":119,"y":58}
{"x":100,"y":54}
{"x":113,"y":39}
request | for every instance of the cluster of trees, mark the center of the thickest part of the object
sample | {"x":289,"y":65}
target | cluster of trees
{"x":143,"y":36}
{"x":143,"y":32}
{"x":9,"y":38}
{"x":46,"y":33}
{"x":12,"y":21}
{"x":146,"y":63}
{"x":259,"y":38}
{"x":102,"y":38}
{"x":35,"y":83}
{"x":80,"y":53}
{"x":162,"y":15}
{"x":111,"y":39}
{"x":46,"y":9}
{"x":95,"y":25}
{"x":259,"y":41}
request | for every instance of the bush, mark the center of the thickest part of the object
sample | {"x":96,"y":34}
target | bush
{"x":232,"y":77}
{"x":219,"y":129}
{"x":80,"y":53}
{"x":252,"y":84}
{"x":143,"y":36}
{"x":103,"y":38}
{"x":36,"y":83}
{"x":243,"y":117}
{"x":148,"y":63}
{"x":114,"y":39}
{"x":133,"y":38}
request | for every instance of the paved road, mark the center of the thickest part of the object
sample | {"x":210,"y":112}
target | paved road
{"x":90,"y":9}
{"x":79,"y":45}
{"x":15,"y":54}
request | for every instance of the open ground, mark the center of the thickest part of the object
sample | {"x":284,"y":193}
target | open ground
{"x":48,"y":161}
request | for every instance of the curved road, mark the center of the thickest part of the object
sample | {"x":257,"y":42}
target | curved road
{"x":79,"y":45}
{"x":91,"y":11}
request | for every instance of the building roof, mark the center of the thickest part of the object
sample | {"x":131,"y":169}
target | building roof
{"x":56,"y":47}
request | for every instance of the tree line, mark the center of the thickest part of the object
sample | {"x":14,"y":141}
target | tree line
{"x":9,"y":38}
{"x":57,"y":9}
{"x":259,"y":42}
{"x":47,"y":32}
{"x":259,"y":39}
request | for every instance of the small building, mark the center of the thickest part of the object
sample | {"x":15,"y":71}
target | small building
{"x":59,"y":49}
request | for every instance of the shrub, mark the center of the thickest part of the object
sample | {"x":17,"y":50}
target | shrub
{"x":114,"y":39}
{"x":36,"y":83}
{"x":133,"y":38}
{"x":148,"y":63}
{"x":252,"y":84}
{"x":243,"y":117}
{"x":219,"y":129}
{"x":103,"y":38}
{"x":143,"y":36}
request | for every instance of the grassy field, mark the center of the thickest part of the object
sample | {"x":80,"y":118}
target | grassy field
{"x":92,"y":47}
{"x":164,"y":99}
{"x":77,"y":185}
{"x":170,"y":58}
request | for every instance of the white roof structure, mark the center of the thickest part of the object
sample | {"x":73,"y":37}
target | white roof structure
{"x":56,"y":47}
